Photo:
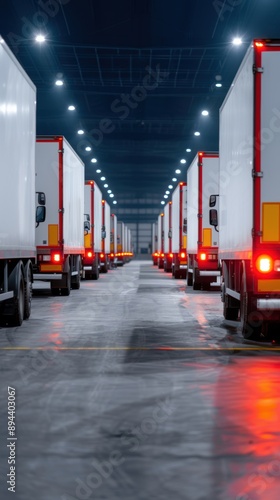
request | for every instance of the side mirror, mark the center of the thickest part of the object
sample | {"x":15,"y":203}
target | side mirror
{"x":40,"y":214}
{"x":213,"y":200}
{"x":213,"y":217}
{"x":41,"y":198}
{"x":86,"y":226}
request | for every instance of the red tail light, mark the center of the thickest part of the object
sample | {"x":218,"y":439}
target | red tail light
{"x":202,"y":256}
{"x":112,"y":255}
{"x":183,"y":255}
{"x":171,"y":255}
{"x":102,"y":255}
{"x":162,"y":255}
{"x":259,"y":44}
{"x":264,"y":264}
{"x":56,"y":257}
{"x":89,"y":254}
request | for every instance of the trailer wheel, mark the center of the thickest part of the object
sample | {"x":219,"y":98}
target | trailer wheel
{"x":13,"y":309}
{"x":251,"y":324}
{"x":95,"y":270}
{"x":230,"y":313}
{"x":27,"y":290}
{"x":196,"y":285}
{"x":66,"y":291}
{"x":190,"y":279}
{"x":76,"y":280}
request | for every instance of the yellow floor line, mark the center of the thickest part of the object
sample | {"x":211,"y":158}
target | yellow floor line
{"x":235,"y":348}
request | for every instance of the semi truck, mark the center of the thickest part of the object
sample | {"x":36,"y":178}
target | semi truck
{"x":203,"y":240}
{"x":17,"y":189}
{"x":120,"y":243}
{"x":113,"y":239}
{"x":105,"y":238}
{"x":167,"y":236}
{"x":155,"y":243}
{"x":92,"y":230}
{"x":247,"y":212}
{"x":161,"y":240}
{"x":179,"y":231}
{"x":60,"y":238}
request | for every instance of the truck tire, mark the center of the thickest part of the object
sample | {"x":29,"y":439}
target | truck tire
{"x":230,"y":313}
{"x":13,"y":310}
{"x":95,"y":270}
{"x":76,"y":280}
{"x":195,"y":284}
{"x":27,"y":289}
{"x":66,"y":290}
{"x":189,"y":279}
{"x":251,"y":325}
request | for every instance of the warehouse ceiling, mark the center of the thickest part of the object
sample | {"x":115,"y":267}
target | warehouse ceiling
{"x":139,"y":73}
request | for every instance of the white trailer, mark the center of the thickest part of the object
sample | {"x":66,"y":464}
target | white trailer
{"x":17,"y":189}
{"x":105,"y":235}
{"x":179,"y":231}
{"x":120,"y":243}
{"x":167,"y":244}
{"x":155,"y":243}
{"x":60,"y":238}
{"x":203,"y":241}
{"x":92,"y":230}
{"x":160,"y":240}
{"x":113,"y":238}
{"x":249,"y":201}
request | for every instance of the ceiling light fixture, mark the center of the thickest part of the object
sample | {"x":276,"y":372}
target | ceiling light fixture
{"x":237,"y":41}
{"x":71,"y":107}
{"x":88,"y":148}
{"x":183,"y":160}
{"x":188,"y":150}
{"x":197,"y":133}
{"x":174,"y":179}
{"x":40,"y":38}
{"x":80,"y":132}
{"x":170,"y":186}
{"x":93,"y":160}
{"x":106,"y":185}
{"x":115,"y":202}
{"x":111,"y":195}
{"x":103,"y":178}
{"x":219,"y":85}
{"x":59,"y":83}
{"x":165,"y":196}
{"x":162,"y":202}
{"x":178,"y":171}
{"x":98,"y":171}
{"x":205,"y":112}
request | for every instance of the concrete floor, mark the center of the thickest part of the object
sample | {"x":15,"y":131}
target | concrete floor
{"x":132,"y":388}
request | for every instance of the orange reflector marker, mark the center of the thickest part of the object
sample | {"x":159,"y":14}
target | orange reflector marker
{"x":264,"y":264}
{"x":202,"y":256}
{"x":259,"y":44}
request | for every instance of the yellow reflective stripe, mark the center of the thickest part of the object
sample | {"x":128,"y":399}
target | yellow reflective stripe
{"x":271,"y":222}
{"x":87,"y":240}
{"x":53,"y":235}
{"x":207,"y":237}
{"x":268,"y":285}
